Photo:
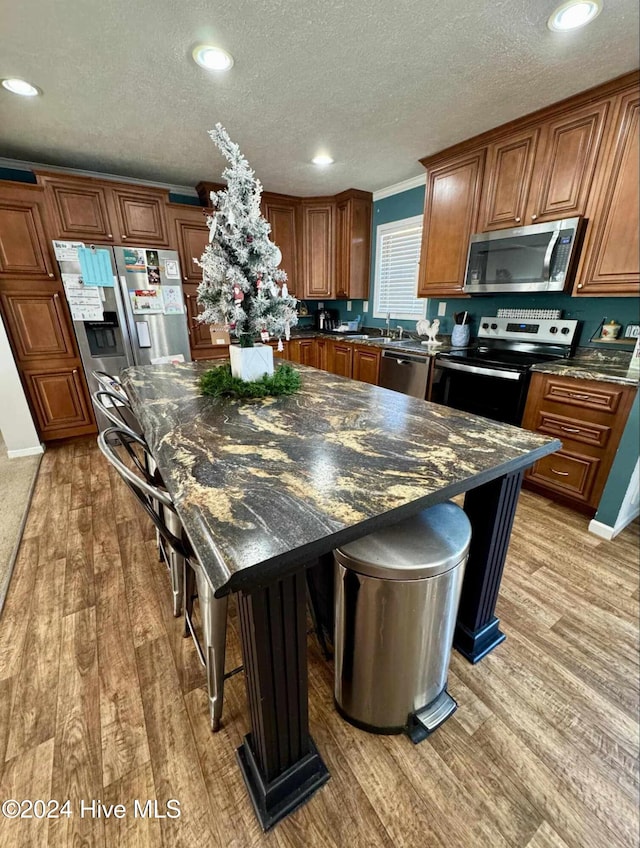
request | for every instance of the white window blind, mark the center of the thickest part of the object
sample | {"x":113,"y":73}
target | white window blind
{"x":397,"y":257}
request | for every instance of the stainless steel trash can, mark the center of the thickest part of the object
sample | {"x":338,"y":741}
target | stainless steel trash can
{"x":396,"y":600}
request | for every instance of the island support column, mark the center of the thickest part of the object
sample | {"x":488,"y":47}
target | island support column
{"x":491,"y":509}
{"x":279,"y":761}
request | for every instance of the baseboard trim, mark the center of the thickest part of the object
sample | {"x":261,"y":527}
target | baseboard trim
{"x":605,"y":531}
{"x":14,"y":454}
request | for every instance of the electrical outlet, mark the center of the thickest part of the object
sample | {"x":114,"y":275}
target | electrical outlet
{"x":321,"y":305}
{"x":365,"y":305}
{"x":632,"y":331}
{"x":348,"y":306}
{"x":442,"y":309}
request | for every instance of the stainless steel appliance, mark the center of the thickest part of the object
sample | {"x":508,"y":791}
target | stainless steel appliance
{"x":404,"y":372}
{"x":492,"y":377}
{"x":539,"y":258}
{"x":397,"y":594}
{"x":327,"y":319}
{"x":137,"y":319}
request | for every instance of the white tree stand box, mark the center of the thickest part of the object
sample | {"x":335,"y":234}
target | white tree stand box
{"x":251,"y":363}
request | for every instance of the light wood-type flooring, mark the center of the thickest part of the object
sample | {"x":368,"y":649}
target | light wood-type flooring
{"x":102,"y":699}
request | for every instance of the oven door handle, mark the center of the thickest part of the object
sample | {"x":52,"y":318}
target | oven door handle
{"x":480,"y":369}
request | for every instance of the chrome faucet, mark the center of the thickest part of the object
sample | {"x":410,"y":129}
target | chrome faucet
{"x":400,"y":331}
{"x":388,"y":321}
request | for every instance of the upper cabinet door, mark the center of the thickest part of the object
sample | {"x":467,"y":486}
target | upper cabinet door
{"x":353,"y":245}
{"x":450,"y":217}
{"x":318,"y":250}
{"x":566,"y":164}
{"x":24,"y":246}
{"x":283,"y":216}
{"x":508,"y":180}
{"x":79,"y":209}
{"x":192,"y":236}
{"x":610,"y":259}
{"x":141,"y":216}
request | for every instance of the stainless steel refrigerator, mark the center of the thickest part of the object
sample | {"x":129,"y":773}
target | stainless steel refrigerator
{"x":137,"y":317}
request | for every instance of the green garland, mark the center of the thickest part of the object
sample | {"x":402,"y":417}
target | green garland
{"x":219,"y":382}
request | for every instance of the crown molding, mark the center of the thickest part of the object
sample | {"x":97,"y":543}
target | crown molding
{"x":20,"y":165}
{"x":398,"y":188}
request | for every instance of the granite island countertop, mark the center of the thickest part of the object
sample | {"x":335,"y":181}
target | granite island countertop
{"x":264,"y":485}
{"x":609,"y":366}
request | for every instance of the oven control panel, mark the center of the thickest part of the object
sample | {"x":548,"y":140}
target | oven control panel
{"x":548,"y":330}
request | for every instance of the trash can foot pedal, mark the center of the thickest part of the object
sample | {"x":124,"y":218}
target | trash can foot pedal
{"x":424,"y":721}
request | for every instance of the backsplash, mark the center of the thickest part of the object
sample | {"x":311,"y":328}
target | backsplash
{"x":589,"y":310}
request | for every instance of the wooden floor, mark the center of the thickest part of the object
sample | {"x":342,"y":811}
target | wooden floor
{"x":101,"y":699}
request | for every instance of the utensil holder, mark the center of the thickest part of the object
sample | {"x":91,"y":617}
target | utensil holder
{"x":460,"y":335}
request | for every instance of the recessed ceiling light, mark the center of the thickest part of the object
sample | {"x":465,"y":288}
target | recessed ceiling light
{"x":322,"y":159}
{"x":574,"y":14}
{"x":19,"y":86}
{"x":212,"y":58}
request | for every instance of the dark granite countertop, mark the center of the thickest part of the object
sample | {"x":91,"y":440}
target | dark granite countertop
{"x":263,"y":486}
{"x":609,"y":366}
{"x":408,"y":344}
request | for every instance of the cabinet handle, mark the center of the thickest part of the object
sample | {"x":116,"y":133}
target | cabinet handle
{"x":579,"y":396}
{"x":110,"y":235}
{"x":580,"y":285}
{"x":51,"y":275}
{"x":560,"y":473}
{"x":534,"y":217}
{"x":124,"y":238}
{"x":570,"y":429}
{"x":517,"y":220}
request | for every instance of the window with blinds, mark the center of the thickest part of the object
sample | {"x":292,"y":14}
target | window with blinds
{"x":397,"y":257}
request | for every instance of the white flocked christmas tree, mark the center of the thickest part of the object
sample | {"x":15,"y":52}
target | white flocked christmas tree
{"x":242,"y":286}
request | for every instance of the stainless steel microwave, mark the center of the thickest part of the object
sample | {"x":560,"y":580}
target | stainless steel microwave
{"x":539,"y":258}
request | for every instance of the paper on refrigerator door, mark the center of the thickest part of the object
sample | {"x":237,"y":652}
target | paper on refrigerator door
{"x":146,"y":301}
{"x":85,"y":303}
{"x":172,"y":296}
{"x":66,"y":251}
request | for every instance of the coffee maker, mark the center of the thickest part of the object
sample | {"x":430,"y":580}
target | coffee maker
{"x":326,"y":319}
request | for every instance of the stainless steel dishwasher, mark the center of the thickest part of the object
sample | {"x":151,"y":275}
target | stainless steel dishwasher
{"x":405,"y":373}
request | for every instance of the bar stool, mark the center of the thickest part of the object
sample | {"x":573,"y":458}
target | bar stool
{"x":111,"y":400}
{"x":147,"y":467}
{"x":213,"y":611}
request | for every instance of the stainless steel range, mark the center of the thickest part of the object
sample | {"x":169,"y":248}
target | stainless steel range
{"x":492,"y":377}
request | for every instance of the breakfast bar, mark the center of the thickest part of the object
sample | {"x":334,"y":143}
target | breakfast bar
{"x":266,"y":488}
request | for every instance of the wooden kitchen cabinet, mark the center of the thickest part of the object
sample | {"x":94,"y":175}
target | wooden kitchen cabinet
{"x":353,"y":244}
{"x":545,"y":172}
{"x":283,"y":213}
{"x":588,"y":416}
{"x":303,"y":351}
{"x":140,"y":216}
{"x":610,"y":263}
{"x":450,"y":217}
{"x":366,"y":364}
{"x":189,"y":224}
{"x":93,"y":210}
{"x":322,"y":354}
{"x":200,"y":341}
{"x":78,"y":208}
{"x":340,"y":359}
{"x":37,"y":322}
{"x":60,"y":402}
{"x":318,"y":250}
{"x":25,"y":249}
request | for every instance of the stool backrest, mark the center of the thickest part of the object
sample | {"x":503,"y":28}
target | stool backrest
{"x":116,"y":440}
{"x":108,"y":382}
{"x":117,"y":409}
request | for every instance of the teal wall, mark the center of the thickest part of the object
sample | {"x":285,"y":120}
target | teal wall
{"x":589,"y":310}
{"x":621,"y":470}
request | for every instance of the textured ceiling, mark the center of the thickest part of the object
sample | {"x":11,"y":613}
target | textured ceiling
{"x":376,"y":84}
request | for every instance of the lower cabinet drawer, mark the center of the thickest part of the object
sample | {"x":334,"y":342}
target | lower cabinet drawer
{"x":567,"y":473}
{"x":596,"y":435}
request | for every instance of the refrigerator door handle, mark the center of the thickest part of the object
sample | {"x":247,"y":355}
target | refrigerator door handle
{"x":124,"y":308}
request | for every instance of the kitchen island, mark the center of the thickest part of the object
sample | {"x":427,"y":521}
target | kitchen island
{"x":265,"y":488}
